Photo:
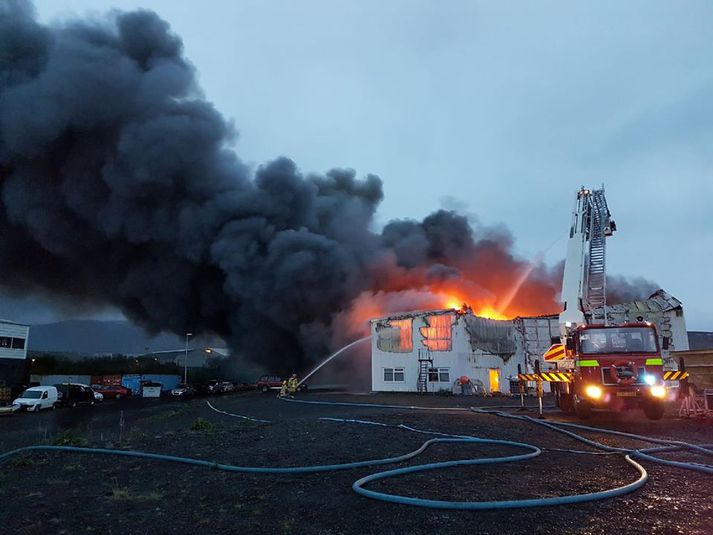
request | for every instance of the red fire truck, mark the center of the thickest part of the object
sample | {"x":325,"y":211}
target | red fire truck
{"x":598,"y":364}
{"x":612,"y":367}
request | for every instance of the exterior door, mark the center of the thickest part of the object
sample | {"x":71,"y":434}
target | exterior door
{"x":494,"y":377}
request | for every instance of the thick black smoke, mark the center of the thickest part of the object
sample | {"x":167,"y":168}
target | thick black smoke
{"x":119,"y":185}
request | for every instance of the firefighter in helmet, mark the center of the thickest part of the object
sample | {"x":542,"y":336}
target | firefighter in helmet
{"x":283,"y":390}
{"x":292,"y":384}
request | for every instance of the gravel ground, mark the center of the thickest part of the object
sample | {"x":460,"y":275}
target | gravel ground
{"x":80,"y":493}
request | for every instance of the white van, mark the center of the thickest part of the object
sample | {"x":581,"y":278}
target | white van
{"x":37,"y":398}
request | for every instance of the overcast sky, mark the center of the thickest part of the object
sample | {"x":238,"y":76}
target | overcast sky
{"x":501,"y":108}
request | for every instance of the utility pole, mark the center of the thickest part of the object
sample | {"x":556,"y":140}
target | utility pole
{"x":185,"y":360}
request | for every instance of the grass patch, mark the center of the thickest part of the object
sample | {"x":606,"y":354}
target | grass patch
{"x":120,"y":494}
{"x":201,"y":424}
{"x":123,"y":494}
{"x":70,"y":438}
{"x":136,"y":435}
{"x":22,"y":461}
{"x":163,"y":416}
{"x":72,"y":467}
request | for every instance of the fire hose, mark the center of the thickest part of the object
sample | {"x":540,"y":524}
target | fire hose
{"x":441,"y":438}
{"x":644,"y":453}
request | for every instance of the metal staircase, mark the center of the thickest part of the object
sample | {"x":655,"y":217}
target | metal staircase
{"x":425,"y":362}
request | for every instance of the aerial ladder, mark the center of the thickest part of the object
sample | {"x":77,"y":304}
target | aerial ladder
{"x":584,"y":282}
{"x":599,"y":365}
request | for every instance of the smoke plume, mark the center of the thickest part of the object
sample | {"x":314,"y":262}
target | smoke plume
{"x":119,"y":185}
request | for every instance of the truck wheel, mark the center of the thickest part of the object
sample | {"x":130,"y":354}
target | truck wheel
{"x":582,"y":408}
{"x":265,"y":389}
{"x":565,"y":403}
{"x":654,"y":410}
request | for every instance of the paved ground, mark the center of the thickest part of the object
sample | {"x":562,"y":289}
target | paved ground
{"x":80,"y":493}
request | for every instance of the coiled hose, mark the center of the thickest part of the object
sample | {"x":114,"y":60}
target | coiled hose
{"x":643,"y":453}
{"x":358,"y":486}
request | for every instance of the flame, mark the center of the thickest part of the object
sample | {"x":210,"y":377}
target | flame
{"x":491,"y":313}
{"x":454,"y":304}
{"x":484,"y":310}
{"x":489,"y":282}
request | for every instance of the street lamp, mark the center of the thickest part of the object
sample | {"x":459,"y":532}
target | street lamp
{"x":185,"y":361}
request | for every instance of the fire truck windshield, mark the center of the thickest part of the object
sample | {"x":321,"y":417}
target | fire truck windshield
{"x":618,"y":340}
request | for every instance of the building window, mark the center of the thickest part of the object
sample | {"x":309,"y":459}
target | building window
{"x":395,"y":336}
{"x":438,"y":331}
{"x":8,"y":342}
{"x":393,"y":375}
{"x":439,"y":375}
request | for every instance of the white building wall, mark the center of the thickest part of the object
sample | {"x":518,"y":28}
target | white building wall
{"x":14,"y":330}
{"x":461,"y":360}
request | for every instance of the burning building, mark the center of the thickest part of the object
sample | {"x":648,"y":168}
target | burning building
{"x":429,"y":350}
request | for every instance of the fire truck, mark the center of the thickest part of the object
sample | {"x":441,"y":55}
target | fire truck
{"x":612,"y":367}
{"x":599,"y":365}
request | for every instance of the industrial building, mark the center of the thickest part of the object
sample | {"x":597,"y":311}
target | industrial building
{"x":13,"y":352}
{"x":428,"y":351}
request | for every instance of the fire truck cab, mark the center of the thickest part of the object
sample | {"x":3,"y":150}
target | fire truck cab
{"x":614,"y":367}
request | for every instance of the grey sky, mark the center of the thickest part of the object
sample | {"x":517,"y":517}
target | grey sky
{"x":504,"y":107}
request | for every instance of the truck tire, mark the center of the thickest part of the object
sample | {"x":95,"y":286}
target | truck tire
{"x":565,"y":402}
{"x":654,"y":410}
{"x":582,"y":408}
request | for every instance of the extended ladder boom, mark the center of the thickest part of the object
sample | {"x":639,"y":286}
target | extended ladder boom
{"x":584,"y":281}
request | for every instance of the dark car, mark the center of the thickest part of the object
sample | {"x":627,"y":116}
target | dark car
{"x":213,"y":387}
{"x":73,"y":394}
{"x":112,"y":391}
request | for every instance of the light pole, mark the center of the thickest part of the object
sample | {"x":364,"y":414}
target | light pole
{"x":185,"y":361}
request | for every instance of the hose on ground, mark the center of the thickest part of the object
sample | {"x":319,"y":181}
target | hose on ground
{"x":442,"y":438}
{"x":642,"y":453}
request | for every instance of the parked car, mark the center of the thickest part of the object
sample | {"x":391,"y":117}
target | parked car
{"x":269,"y":382}
{"x":37,"y":398}
{"x":183,"y":390}
{"x":213,"y":387}
{"x":73,"y":394}
{"x":227,"y":386}
{"x":112,"y":391}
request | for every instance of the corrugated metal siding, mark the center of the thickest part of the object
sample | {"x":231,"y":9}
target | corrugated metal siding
{"x":14,"y":330}
{"x":167,"y":381}
{"x":535,"y":337}
{"x":133,"y":381}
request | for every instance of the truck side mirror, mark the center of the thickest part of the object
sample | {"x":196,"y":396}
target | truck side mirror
{"x":569,"y":344}
{"x":664,"y":342}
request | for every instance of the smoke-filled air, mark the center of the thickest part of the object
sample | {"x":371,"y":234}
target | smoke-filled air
{"x":120,"y":186}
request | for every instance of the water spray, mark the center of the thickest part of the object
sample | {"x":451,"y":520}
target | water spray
{"x":330,"y":357}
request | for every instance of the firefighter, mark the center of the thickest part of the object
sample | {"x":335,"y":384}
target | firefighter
{"x":292,"y":384}
{"x":283,"y":390}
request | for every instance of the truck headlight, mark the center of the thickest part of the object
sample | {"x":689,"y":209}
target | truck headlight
{"x":593,"y":391}
{"x":649,"y":380}
{"x":658,"y":391}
